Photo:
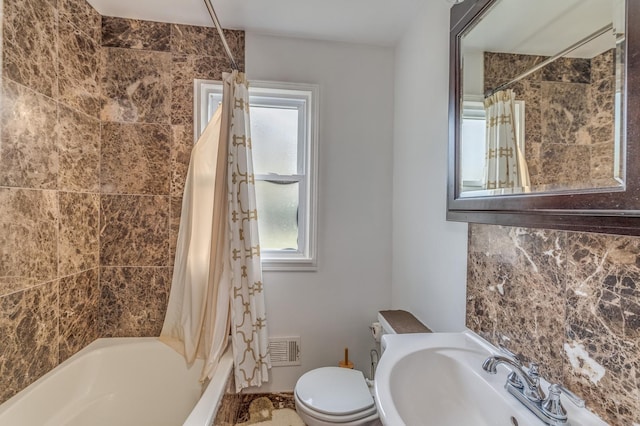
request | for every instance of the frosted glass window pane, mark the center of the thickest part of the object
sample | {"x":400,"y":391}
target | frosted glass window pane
{"x":277,"y":215}
{"x":274,"y":135}
{"x":474,"y":150}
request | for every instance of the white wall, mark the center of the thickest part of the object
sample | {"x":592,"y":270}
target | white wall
{"x":429,"y":253}
{"x":333,"y":307}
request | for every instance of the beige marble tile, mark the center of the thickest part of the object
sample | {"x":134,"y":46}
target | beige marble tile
{"x":134,"y":230}
{"x":135,"y":34}
{"x":182,"y":104}
{"x":186,"y":68}
{"x":565,"y":113}
{"x":28,"y":244}
{"x":176,"y":210}
{"x":516,"y":292}
{"x":181,"y":146}
{"x":78,"y":243}
{"x":135,"y":158}
{"x":29,"y":330}
{"x":602,"y":163}
{"x":28,"y":153}
{"x":603,"y":66}
{"x":501,"y":67}
{"x":603,"y":324}
{"x":565,"y":165}
{"x":78,"y":151}
{"x":133,"y":300}
{"x":602,"y":119}
{"x":78,"y":77}
{"x":483,"y":296}
{"x":205,"y":41}
{"x":82,"y":16}
{"x":30,"y":42}
{"x":79,"y":311}
{"x":135,"y":86}
{"x":568,"y":70}
{"x":194,"y":40}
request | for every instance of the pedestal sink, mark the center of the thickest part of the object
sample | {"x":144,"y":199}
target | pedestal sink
{"x":437,"y":379}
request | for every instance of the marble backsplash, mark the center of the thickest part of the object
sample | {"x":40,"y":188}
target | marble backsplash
{"x":95,"y":137}
{"x":566,"y":300}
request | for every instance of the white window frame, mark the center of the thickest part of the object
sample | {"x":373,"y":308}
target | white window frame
{"x":303,"y":97}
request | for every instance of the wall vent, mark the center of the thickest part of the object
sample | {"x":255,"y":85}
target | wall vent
{"x":284,"y":351}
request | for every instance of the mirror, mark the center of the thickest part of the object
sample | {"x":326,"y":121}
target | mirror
{"x":541,"y":98}
{"x":581,"y":153}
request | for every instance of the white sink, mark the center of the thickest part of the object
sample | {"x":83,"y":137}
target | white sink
{"x":437,"y":379}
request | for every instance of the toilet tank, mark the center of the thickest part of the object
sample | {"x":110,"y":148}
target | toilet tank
{"x":386,"y":329}
{"x":399,"y":322}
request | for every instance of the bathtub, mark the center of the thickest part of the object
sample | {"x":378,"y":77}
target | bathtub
{"x":120,"y":381}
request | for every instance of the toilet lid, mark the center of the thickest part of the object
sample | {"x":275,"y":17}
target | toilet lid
{"x":334,"y":390}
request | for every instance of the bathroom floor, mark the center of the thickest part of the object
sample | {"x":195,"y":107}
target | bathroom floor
{"x":260,"y":409}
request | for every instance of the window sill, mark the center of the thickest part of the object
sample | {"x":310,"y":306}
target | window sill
{"x":289,"y":265}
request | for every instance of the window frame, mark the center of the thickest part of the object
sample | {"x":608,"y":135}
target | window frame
{"x":304,"y":97}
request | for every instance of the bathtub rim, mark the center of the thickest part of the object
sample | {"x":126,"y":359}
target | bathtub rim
{"x":205,"y":410}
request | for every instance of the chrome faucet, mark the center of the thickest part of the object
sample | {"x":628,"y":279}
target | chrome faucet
{"x":526,"y":382}
{"x":525,"y":386}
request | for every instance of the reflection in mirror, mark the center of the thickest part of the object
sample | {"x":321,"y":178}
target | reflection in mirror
{"x":541,"y":98}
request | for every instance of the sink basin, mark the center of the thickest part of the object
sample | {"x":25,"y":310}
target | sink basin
{"x":437,"y":379}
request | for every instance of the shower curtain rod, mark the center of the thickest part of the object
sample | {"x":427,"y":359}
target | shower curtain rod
{"x":216,"y":23}
{"x":547,"y":61}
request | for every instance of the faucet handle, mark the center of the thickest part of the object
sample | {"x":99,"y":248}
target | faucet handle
{"x":575,"y":399}
{"x":552,"y":405}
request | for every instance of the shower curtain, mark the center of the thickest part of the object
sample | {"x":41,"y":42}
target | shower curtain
{"x":505,"y":165}
{"x":217,"y":288}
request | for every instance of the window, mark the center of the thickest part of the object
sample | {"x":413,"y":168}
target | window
{"x":474,"y":149}
{"x":284,"y":142}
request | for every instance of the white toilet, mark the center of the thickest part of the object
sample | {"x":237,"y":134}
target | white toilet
{"x":330,"y":396}
{"x":335,"y":396}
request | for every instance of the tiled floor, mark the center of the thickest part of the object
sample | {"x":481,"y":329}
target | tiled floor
{"x":235,"y":408}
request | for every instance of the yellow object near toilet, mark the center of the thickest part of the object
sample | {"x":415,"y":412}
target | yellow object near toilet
{"x":345,"y":363}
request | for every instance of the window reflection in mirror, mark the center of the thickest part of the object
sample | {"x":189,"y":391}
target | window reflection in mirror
{"x":565,"y":119}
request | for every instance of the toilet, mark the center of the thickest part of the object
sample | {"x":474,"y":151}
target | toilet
{"x":335,"y":396}
{"x":329,"y":396}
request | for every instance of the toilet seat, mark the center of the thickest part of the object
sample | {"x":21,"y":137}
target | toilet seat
{"x":355,"y":419}
{"x":335,"y":395}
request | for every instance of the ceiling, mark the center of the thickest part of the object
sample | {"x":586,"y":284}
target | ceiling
{"x":378,"y":22}
{"x":546,"y":27}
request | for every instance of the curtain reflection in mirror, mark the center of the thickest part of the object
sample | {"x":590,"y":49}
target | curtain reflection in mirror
{"x":505,"y":165}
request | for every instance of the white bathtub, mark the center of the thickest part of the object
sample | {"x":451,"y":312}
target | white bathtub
{"x":120,"y":381}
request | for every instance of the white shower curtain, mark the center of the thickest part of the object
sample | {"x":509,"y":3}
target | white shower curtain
{"x":248,"y":320}
{"x":217,"y":279}
{"x":505,"y":165}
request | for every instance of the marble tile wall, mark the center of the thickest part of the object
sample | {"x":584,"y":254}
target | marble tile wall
{"x":567,"y":300}
{"x":96,"y":130}
{"x":49,"y":186}
{"x":146,"y":79}
{"x":569,"y":107}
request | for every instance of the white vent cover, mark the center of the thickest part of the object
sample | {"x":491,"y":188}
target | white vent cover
{"x":284,"y":351}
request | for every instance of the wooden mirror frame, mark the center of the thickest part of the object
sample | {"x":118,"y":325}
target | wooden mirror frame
{"x":614,"y":212}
